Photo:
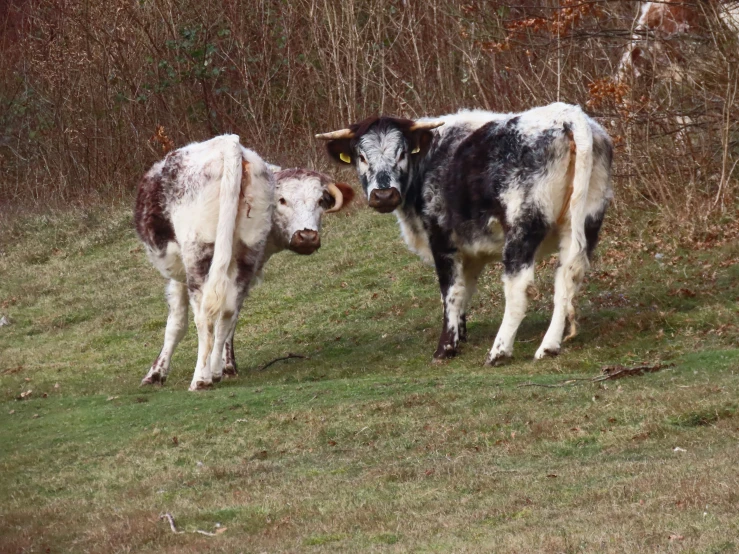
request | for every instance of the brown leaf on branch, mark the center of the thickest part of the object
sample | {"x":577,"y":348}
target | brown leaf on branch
{"x":160,"y":136}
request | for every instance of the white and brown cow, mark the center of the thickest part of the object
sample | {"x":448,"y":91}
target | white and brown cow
{"x":209,"y":215}
{"x":476,"y":186}
{"x":653,"y":46}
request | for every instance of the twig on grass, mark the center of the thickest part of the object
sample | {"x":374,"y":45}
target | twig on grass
{"x":619,"y":371}
{"x":610,"y":373}
{"x":170,"y":519}
{"x":554,"y":386}
{"x":288,"y":357}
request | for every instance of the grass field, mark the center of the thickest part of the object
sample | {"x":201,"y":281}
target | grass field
{"x":366,"y":446}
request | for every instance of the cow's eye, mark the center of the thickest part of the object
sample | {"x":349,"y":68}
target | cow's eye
{"x":362,"y":159}
{"x":283,"y":201}
{"x":402,"y":156}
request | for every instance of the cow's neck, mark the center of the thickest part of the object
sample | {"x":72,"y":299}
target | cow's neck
{"x":411,"y":216}
{"x":274,"y":245}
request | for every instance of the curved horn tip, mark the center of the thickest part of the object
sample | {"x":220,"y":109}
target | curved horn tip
{"x":338,"y":198}
{"x":333,"y":135}
{"x":426,"y":125}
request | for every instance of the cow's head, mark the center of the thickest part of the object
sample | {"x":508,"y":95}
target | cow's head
{"x":303,"y":196}
{"x":384,"y":151}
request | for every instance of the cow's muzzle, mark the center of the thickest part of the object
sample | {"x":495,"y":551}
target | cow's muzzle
{"x":384,"y":200}
{"x":305,"y":242}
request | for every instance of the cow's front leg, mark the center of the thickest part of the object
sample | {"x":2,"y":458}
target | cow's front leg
{"x":463,"y":328}
{"x":452,"y":287}
{"x":176,"y":329}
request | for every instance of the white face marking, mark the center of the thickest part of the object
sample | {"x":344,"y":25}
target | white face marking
{"x":381,"y":160}
{"x":298,"y":206}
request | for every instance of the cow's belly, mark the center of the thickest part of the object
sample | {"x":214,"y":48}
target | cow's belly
{"x":484,"y":243}
{"x":490,"y":245}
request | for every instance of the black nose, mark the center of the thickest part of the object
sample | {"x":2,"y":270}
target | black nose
{"x":384,"y":200}
{"x":305,"y":241}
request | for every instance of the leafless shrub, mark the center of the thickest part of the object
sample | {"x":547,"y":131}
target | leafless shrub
{"x":84,"y":83}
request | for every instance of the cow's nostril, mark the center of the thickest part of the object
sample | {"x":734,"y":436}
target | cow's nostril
{"x":308,"y":236}
{"x":385,"y":200}
{"x":305,"y":241}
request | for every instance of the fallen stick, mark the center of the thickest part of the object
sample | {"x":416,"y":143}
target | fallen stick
{"x":288,"y":357}
{"x":170,"y":518}
{"x":610,"y":373}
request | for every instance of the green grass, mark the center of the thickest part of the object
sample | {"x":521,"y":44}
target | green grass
{"x":366,"y":446}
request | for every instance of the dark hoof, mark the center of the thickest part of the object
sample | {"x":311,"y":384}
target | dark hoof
{"x":445,"y":352}
{"x":230,"y":371}
{"x":153,"y":379}
{"x":499,"y":360}
{"x":216,"y":379}
{"x":551,"y":353}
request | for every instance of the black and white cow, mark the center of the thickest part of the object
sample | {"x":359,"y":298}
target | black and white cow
{"x":210,"y":214}
{"x":476,"y":186}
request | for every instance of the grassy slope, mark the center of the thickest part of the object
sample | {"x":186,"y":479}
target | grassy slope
{"x":366,"y":446}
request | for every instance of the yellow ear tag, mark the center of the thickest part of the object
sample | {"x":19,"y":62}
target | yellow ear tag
{"x":345,"y":158}
{"x":416,"y":150}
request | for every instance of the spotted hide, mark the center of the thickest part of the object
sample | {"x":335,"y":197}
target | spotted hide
{"x":477,"y":186}
{"x":210,"y":215}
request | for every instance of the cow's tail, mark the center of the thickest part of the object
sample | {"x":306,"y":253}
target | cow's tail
{"x":577,"y":263}
{"x":217,"y":284}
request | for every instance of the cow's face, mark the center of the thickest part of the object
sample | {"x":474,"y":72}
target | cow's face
{"x":303,"y":196}
{"x":384,"y":152}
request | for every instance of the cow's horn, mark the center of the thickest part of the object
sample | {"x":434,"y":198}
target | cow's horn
{"x":338,"y":198}
{"x":425,"y":125}
{"x":333,"y":135}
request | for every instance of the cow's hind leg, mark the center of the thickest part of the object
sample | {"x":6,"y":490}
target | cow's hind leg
{"x":175,"y":331}
{"x":229,"y":358}
{"x":247,"y":263}
{"x":223,"y":332}
{"x":518,"y":261}
{"x":197,"y":258}
{"x":569,"y":277}
{"x":552,"y":342}
{"x":229,"y":355}
{"x":202,"y":378}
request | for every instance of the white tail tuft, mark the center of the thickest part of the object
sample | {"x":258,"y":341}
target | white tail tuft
{"x":216,"y":286}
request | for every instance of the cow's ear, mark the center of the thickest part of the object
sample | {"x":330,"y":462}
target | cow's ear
{"x":329,"y":197}
{"x":347,"y":192}
{"x":421,"y":142}
{"x":340,"y":150}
